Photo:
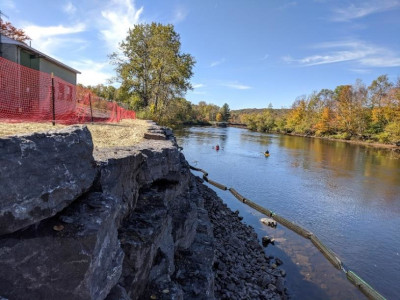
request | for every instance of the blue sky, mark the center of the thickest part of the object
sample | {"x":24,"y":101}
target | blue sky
{"x":249,"y":53}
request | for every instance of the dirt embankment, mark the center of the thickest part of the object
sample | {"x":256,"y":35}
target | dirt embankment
{"x":104,"y":135}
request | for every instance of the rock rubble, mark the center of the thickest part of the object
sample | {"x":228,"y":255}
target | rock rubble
{"x":242,"y":270}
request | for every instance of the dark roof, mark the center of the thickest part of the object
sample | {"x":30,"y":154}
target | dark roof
{"x":7,"y":40}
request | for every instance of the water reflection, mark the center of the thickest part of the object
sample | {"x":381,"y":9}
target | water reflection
{"x":349,"y":195}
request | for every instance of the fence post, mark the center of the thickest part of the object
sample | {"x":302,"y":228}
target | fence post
{"x":53,"y":99}
{"x":90,"y":103}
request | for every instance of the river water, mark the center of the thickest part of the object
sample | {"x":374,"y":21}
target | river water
{"x":348,"y":195}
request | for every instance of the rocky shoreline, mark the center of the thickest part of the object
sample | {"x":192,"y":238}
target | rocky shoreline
{"x":122,"y":223}
{"x":241,"y":268}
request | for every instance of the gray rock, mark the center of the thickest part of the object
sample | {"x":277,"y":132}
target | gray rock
{"x":118,"y":293}
{"x":266,"y":240}
{"x":80,"y":260}
{"x":42,"y":173}
{"x":154,"y":136}
{"x":280,"y":284}
{"x":271,"y":287}
{"x":269,"y":222}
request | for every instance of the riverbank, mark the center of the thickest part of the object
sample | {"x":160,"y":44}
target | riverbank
{"x":354,"y":142}
{"x":338,"y":191}
{"x":241,"y":268}
{"x":368,"y":143}
{"x":129,"y":222}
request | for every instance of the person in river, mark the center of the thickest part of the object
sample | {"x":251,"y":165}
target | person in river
{"x":267,"y":152}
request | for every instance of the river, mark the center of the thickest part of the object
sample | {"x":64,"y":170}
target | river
{"x":348,"y":195}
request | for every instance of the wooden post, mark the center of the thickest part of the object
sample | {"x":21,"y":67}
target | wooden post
{"x":90,"y":103}
{"x":53,"y":99}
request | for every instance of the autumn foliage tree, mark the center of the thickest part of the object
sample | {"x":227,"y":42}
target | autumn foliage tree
{"x":7,"y":29}
{"x":347,"y":112}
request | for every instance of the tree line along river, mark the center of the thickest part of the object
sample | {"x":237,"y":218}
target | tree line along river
{"x":347,"y":195}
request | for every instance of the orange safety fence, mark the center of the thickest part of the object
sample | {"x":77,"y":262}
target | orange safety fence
{"x":26,"y":95}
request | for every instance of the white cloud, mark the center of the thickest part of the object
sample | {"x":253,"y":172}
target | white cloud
{"x":388,"y":61}
{"x":180,"y":14}
{"x":359,"y":52}
{"x":39,"y":32}
{"x":198,"y":85}
{"x":361,"y":71}
{"x":93,"y":73}
{"x":237,"y":86}
{"x":216,"y":63}
{"x":65,"y":41}
{"x":118,"y":17}
{"x":364,"y":9}
{"x":51,"y":38}
{"x":69,"y":8}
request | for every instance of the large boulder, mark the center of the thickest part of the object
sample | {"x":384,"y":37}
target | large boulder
{"x":74,"y":255}
{"x":123,"y":170}
{"x":42,"y":173}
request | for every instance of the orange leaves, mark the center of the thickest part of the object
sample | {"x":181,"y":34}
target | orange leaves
{"x":324,"y":123}
{"x":14,"y":33}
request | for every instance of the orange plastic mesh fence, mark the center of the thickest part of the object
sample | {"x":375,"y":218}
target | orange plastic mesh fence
{"x":26,"y":95}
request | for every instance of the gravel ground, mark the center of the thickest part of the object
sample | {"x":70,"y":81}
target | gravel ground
{"x":241,"y":268}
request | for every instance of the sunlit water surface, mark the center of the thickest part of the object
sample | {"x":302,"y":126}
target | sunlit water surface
{"x":348,"y":195}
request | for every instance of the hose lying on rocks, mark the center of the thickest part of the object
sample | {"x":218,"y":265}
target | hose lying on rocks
{"x":329,"y":254}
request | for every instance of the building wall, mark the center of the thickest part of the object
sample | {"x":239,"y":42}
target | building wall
{"x":10,"y":52}
{"x":28,"y":59}
{"x":20,"y":56}
{"x":49,"y":67}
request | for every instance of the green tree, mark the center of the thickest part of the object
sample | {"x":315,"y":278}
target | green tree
{"x":265,"y":121}
{"x":225,"y":112}
{"x":178,"y":112}
{"x":151,"y":67}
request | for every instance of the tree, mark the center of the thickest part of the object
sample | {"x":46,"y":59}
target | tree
{"x":345,"y":109}
{"x":178,"y":112}
{"x":297,"y":116}
{"x":7,"y":29}
{"x":379,"y":89}
{"x":265,"y":121}
{"x":151,"y":66}
{"x":225,"y":112}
